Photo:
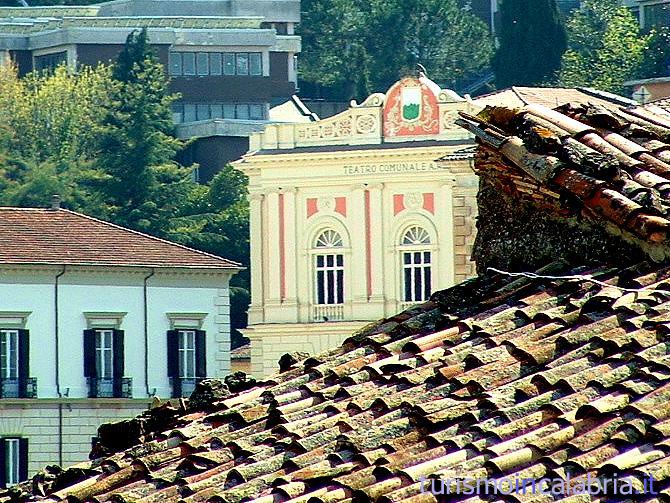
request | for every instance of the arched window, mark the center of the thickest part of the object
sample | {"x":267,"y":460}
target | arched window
{"x":416,"y":258}
{"x":329,"y":268}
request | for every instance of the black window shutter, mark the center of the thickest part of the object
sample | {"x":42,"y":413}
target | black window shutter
{"x":23,"y":459}
{"x":89,"y":354}
{"x":173,"y":361}
{"x":24,"y":362}
{"x":118,"y":362}
{"x":3,"y":463}
{"x":173,"y":353}
{"x":200,"y":354}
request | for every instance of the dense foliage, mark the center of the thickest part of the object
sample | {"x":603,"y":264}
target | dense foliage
{"x":102,"y":139}
{"x":532,"y":40}
{"x":352,"y":48}
{"x":605,"y":47}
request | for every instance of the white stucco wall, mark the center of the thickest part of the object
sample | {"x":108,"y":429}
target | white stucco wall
{"x":29,"y":293}
{"x":114,"y":291}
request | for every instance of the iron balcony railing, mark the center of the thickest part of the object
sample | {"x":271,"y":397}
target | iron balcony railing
{"x":110,"y":388}
{"x":15,"y":388}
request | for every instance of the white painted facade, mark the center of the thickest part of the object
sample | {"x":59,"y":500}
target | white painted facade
{"x":369,"y":176}
{"x":60,"y":423}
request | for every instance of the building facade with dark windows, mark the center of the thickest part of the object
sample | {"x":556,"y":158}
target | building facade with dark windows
{"x":95,"y":321}
{"x":229,"y":60}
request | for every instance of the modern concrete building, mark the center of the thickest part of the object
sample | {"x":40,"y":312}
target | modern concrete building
{"x":230,"y":60}
{"x":650,"y":13}
{"x":96,"y":320}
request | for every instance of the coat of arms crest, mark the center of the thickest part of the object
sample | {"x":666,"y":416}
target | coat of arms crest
{"x":411,"y":103}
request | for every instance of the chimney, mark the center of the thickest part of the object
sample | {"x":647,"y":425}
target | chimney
{"x":55,"y":202}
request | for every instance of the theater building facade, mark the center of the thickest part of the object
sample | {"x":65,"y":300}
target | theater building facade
{"x":356,"y":217}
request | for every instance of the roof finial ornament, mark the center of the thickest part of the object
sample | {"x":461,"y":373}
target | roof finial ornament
{"x":55,"y":202}
{"x":421,"y":70}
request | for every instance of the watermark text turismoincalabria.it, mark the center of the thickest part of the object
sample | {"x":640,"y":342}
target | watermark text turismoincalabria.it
{"x":590,"y":485}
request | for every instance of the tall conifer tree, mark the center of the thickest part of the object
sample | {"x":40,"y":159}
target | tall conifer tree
{"x":136,"y":145}
{"x":532,"y":40}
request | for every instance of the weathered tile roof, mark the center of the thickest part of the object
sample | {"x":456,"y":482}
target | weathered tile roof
{"x":44,"y":236}
{"x":610,"y":165}
{"x":519,"y":96}
{"x":496,"y":377}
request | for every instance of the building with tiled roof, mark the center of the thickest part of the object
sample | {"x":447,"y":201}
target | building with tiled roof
{"x":549,"y":372}
{"x":95,"y":320}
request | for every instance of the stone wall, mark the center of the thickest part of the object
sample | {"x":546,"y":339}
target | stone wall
{"x":38,"y":421}
{"x":465,"y":214}
{"x":514,"y":234}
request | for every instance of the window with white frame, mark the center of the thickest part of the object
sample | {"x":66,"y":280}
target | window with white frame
{"x":9,"y":354}
{"x":104,"y":353}
{"x":329,"y":269}
{"x":187,"y":356}
{"x":416,"y":259}
{"x":13,"y":460}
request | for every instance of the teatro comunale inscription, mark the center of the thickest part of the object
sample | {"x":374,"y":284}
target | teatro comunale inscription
{"x":390,"y":168}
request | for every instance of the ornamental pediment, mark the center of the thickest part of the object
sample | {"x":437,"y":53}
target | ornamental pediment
{"x":413,"y":109}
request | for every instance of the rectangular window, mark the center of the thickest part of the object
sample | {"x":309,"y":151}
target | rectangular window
{"x":217,"y":111}
{"x":215,"y":63}
{"x":330,"y":279}
{"x":416,"y":276}
{"x":188,"y":63}
{"x":229,"y":111}
{"x":187,"y":354}
{"x":9,"y":354}
{"x":175,"y":63}
{"x":186,"y":360}
{"x":50,"y":61}
{"x":255,"y":63}
{"x":12,"y":461}
{"x":202,"y":111}
{"x":189,"y":112}
{"x":104,"y":363}
{"x":14,"y":365}
{"x":229,"y":63}
{"x":242,"y":63}
{"x":242,"y":111}
{"x":178,"y":113}
{"x":104,"y":353}
{"x":202,"y":63}
{"x":256,"y":112}
{"x":656,"y":16}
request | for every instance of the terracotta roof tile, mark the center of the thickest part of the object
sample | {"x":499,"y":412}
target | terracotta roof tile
{"x":62,"y":237}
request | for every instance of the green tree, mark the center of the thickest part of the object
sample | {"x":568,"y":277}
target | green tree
{"x":605,"y":47}
{"x":354,"y":47}
{"x":657,"y":56}
{"x":52,"y":116}
{"x":333,"y":54}
{"x":215,"y":218}
{"x":136,"y":146}
{"x":532,"y":40}
{"x":46,"y":136}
